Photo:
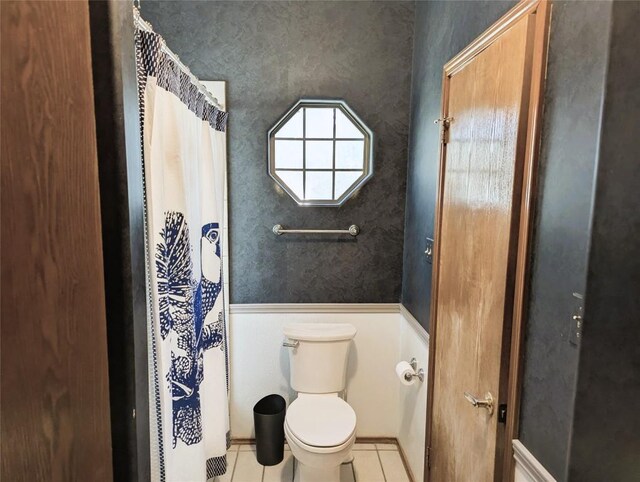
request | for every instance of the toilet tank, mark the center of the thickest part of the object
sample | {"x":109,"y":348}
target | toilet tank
{"x":318,"y":362}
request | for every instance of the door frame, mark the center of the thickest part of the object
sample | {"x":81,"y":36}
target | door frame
{"x":541,"y":8}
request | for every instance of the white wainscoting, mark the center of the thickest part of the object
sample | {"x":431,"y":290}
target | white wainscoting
{"x":414,"y":342}
{"x":260,"y":364}
{"x":527,"y":468}
{"x":387,"y":333}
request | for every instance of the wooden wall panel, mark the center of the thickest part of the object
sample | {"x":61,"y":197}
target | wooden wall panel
{"x":55,"y":400}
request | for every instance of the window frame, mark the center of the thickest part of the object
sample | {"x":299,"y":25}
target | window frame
{"x":367,"y":168}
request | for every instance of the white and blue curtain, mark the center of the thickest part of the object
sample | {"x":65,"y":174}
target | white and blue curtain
{"x":184,"y":168}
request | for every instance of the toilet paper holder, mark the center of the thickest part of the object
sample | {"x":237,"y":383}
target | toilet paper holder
{"x":417,"y":373}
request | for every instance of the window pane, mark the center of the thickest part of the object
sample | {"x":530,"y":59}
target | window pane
{"x":349,"y":154}
{"x":293,"y":127}
{"x":345,"y":128}
{"x":293,"y":179}
{"x":319,"y":154}
{"x":288,"y":154}
{"x":319,"y":185}
{"x":344,"y":180}
{"x":319,"y":122}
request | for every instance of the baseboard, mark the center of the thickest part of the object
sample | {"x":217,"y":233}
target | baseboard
{"x":315,"y":308}
{"x":359,"y":440}
{"x":527,"y":468}
{"x":243,"y":441}
{"x":405,"y":462}
{"x":377,"y":440}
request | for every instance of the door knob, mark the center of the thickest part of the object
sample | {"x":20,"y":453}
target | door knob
{"x":486,"y":403}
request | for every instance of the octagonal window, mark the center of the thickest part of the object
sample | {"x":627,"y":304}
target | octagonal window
{"x":320,"y":152}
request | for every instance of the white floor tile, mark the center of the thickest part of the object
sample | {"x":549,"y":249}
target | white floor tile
{"x":232,"y":453}
{"x":387,"y":446}
{"x":247,"y":448}
{"x":346,"y":473}
{"x":393,"y":467}
{"x":283,"y":472}
{"x":247,"y":468}
{"x":296,"y":471}
{"x":367,"y":466}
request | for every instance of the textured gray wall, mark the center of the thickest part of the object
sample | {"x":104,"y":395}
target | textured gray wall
{"x":442,"y":29}
{"x":606,"y":427}
{"x":271,"y":54}
{"x":571,"y":129}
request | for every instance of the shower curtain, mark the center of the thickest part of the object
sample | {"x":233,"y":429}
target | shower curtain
{"x":183,"y":158}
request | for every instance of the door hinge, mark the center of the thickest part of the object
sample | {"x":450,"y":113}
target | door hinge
{"x":444,"y":122}
{"x":428,"y":457}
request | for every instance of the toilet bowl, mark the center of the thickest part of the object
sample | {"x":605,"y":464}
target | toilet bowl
{"x":321,"y":431}
{"x":319,"y":425}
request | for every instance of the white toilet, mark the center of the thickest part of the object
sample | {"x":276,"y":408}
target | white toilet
{"x":320,"y":427}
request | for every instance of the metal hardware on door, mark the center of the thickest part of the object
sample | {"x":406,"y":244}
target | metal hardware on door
{"x":291,"y":344}
{"x":445,"y":122}
{"x":486,"y":403}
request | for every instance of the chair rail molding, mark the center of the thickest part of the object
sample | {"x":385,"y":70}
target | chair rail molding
{"x":414,"y":323}
{"x":527,"y":468}
{"x":315,"y":308}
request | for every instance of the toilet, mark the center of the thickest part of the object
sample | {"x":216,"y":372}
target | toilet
{"x":319,"y":425}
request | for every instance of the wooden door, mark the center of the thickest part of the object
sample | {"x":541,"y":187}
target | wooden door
{"x":486,"y":102}
{"x":55,"y":394}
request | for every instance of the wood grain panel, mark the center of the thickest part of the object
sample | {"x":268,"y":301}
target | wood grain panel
{"x":479,"y":213}
{"x":55,"y":408}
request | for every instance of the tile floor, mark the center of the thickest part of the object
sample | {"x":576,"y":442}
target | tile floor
{"x":371,"y":463}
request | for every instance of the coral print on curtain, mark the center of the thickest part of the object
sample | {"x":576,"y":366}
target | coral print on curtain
{"x":184,"y":158}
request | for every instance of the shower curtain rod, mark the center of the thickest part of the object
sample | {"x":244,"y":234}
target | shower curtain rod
{"x":147,"y":27}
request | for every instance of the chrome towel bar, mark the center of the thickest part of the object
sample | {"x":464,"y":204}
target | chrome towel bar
{"x":279,"y":230}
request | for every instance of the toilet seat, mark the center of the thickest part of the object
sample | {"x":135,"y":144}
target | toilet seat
{"x":318,"y":451}
{"x":321,"y":421}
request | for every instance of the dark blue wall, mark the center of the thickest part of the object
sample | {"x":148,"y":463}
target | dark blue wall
{"x":571,"y":130}
{"x":442,"y":29}
{"x":271,"y":54}
{"x":606,"y":426}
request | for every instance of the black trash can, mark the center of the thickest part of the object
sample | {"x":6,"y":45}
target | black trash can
{"x":268,"y":419}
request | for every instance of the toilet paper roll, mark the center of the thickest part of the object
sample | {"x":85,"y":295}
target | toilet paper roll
{"x":402,"y":369}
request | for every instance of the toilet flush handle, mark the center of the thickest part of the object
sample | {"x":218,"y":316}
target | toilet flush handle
{"x":291,"y":344}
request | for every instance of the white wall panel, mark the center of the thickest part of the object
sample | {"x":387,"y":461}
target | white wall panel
{"x":386,"y":334}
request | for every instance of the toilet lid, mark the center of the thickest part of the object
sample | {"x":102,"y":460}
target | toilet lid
{"x":321,"y":421}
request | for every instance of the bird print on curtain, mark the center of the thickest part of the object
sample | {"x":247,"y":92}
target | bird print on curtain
{"x":186,"y":306}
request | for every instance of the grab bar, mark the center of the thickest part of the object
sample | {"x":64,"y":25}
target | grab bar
{"x":279,"y":230}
